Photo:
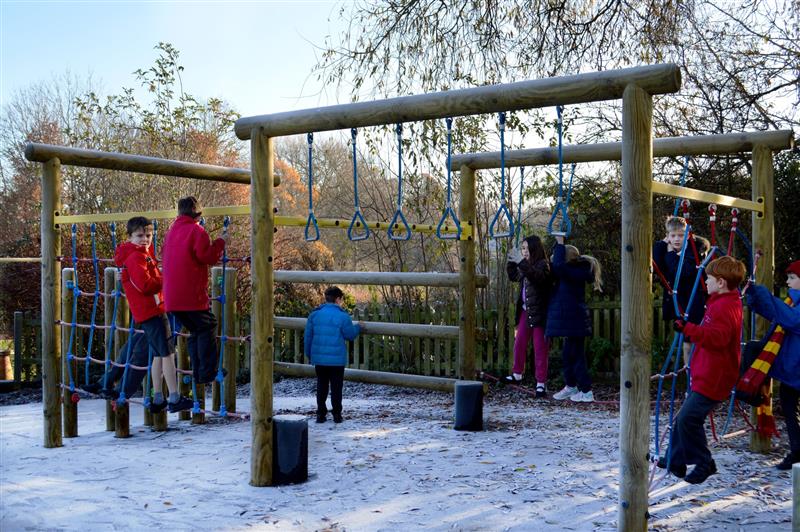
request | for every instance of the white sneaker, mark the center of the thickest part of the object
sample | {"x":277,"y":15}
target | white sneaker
{"x":582,"y":397}
{"x":565,"y":393}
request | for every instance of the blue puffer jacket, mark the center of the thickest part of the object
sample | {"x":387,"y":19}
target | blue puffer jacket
{"x":327,"y":328}
{"x":567,"y":314}
{"x":786,"y":367}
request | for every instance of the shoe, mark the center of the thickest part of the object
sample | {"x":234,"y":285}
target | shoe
{"x":111,"y":395}
{"x":788,"y":462}
{"x":155,"y":408}
{"x":677,"y":470}
{"x":513,"y":378}
{"x":321,"y":419}
{"x":93,"y":388}
{"x":183,"y":403}
{"x":582,"y":397}
{"x":701,"y":472}
{"x":541,"y":392}
{"x":337,"y":418}
{"x":565,"y":393}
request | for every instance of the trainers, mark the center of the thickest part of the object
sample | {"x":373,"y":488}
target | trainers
{"x":788,"y":462}
{"x":155,"y":408}
{"x":701,"y":472}
{"x":540,"y":391}
{"x":582,"y":397}
{"x":565,"y":393}
{"x":677,"y":470}
{"x":337,"y":418}
{"x":183,"y":403}
{"x":93,"y":388}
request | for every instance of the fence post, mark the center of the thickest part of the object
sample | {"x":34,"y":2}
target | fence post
{"x":19,"y":319}
{"x":109,"y":286}
{"x":70,"y":409}
{"x":122,"y":420}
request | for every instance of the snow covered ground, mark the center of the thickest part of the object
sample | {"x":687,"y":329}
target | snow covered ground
{"x":394,"y":464}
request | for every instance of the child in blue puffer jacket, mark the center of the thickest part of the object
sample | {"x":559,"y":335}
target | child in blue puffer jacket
{"x":327,"y":328}
{"x":786,"y":367}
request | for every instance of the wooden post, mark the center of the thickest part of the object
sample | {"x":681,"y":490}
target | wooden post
{"x":231,"y":355}
{"x":109,"y":286}
{"x":160,"y":419}
{"x":183,"y":363}
{"x":763,"y":238}
{"x":19,"y":320}
{"x":122,"y":420}
{"x":51,"y":295}
{"x":637,"y":319}
{"x":262,"y":320}
{"x":466,"y":279}
{"x":70,"y":408}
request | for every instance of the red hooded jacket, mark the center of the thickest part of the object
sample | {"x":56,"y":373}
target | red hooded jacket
{"x":715,"y":363}
{"x":186,"y":256}
{"x":141,"y":280}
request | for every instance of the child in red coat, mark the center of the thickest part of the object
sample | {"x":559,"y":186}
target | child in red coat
{"x":187,"y":253}
{"x":714,"y":369}
{"x":141,"y":280}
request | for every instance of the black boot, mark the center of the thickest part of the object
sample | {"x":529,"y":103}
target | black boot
{"x":677,"y":470}
{"x":787,"y":463}
{"x":701,"y":472}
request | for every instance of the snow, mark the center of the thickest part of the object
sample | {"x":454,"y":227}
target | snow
{"x":394,"y":464}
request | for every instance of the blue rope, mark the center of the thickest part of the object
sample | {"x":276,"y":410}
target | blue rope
{"x":678,"y":272}
{"x":561,"y":208}
{"x":146,"y":392}
{"x":683,"y":183}
{"x":519,"y":204}
{"x":358,"y":218}
{"x":75,"y":293}
{"x":94,"y":303}
{"x":131,"y":332}
{"x":398,"y":215}
{"x":449,"y":213}
{"x":223,"y":337}
{"x":661,"y":386}
{"x":503,"y":210}
{"x":312,"y":220}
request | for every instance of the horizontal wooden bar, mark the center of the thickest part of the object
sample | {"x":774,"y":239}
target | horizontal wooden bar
{"x":440,"y":384}
{"x":241,"y":210}
{"x":66,"y":219}
{"x":579,"y":88}
{"x":612,"y":151}
{"x":375,"y":278}
{"x":382,"y":328}
{"x":42,"y":153}
{"x":676,"y":191}
{"x":7,"y":260}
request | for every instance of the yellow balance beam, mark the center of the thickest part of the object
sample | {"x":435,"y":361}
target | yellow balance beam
{"x":240,"y":210}
{"x":708,"y":197}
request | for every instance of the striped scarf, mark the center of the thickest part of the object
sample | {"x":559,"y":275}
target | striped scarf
{"x":755,"y":379}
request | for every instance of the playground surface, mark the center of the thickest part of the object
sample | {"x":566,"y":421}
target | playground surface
{"x":394,"y":464}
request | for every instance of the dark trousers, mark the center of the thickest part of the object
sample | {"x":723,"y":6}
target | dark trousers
{"x":688,"y":443}
{"x":790,"y":403}
{"x":573,"y":361}
{"x":133,"y":380}
{"x":333,"y":376}
{"x":202,"y":344}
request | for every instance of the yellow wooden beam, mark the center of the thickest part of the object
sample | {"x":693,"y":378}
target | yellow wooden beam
{"x":707,"y":197}
{"x":242,"y":210}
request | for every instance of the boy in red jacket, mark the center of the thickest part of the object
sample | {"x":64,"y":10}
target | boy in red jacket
{"x":714,"y":369}
{"x":187,"y":253}
{"x":141,"y":280}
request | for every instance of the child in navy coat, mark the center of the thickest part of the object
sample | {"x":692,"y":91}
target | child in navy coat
{"x":327,"y":329}
{"x":568,"y":316}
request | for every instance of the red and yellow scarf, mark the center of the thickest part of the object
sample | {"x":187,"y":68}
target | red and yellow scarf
{"x":755,"y":379}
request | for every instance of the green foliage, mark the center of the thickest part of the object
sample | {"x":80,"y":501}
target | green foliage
{"x":600,"y":354}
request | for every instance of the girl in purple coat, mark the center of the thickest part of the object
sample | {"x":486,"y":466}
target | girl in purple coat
{"x":531,"y":269}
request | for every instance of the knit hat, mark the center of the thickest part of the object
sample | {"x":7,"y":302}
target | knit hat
{"x":794,"y":268}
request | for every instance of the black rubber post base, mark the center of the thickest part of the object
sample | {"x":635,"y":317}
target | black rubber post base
{"x":469,"y":406}
{"x":289,"y":449}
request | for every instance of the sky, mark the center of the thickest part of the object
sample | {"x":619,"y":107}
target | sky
{"x":256,"y":55}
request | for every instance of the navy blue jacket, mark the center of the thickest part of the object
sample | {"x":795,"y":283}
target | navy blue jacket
{"x":786,"y":367}
{"x":327,"y":328}
{"x":667,"y":262}
{"x":567,"y":314}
